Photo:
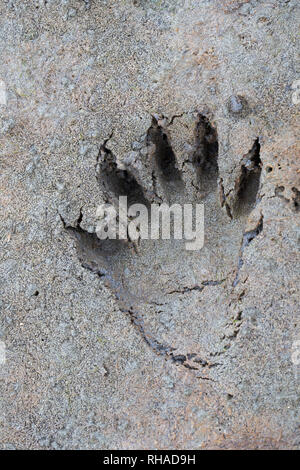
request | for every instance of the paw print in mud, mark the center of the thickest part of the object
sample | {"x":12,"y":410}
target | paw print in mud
{"x":176,"y":298}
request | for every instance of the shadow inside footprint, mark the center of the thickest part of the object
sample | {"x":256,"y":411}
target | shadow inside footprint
{"x":164,"y":158}
{"x":205,"y":156}
{"x":117,"y":182}
{"x":247,"y":185}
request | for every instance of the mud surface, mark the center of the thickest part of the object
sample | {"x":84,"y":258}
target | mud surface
{"x":135,"y":345}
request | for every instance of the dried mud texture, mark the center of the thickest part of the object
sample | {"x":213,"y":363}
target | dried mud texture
{"x":136,"y":345}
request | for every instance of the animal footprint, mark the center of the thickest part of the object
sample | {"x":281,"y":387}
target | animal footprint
{"x":175,"y":297}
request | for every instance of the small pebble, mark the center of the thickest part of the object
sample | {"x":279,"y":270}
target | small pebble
{"x":236,"y":105}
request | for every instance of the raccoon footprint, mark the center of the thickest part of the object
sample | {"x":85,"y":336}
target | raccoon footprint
{"x":174,"y":297}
